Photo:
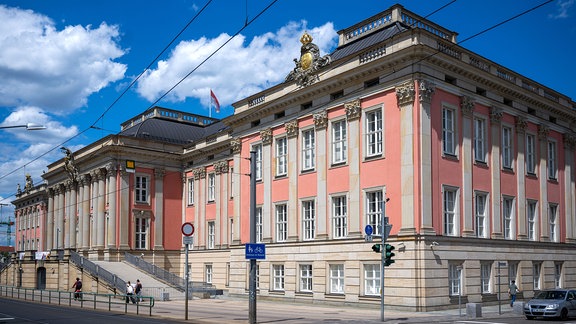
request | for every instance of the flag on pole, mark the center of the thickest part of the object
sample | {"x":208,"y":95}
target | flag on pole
{"x":214,"y":101}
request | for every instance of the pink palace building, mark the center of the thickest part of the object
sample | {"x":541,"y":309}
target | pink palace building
{"x":474,"y":164}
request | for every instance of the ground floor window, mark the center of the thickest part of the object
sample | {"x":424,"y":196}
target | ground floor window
{"x":536,"y":275}
{"x":208,"y":273}
{"x":336,"y":278}
{"x":306,"y":277}
{"x":278,"y":276}
{"x":372,"y":279}
{"x":485,"y":277}
{"x":455,"y":279}
{"x":141,"y":231}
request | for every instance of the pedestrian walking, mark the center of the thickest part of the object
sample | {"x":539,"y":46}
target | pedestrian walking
{"x":512,"y":291}
{"x":130,"y":293}
{"x":138,"y":290}
{"x":77,"y":286}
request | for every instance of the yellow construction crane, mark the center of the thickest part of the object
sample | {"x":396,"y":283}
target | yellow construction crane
{"x":8,"y":224}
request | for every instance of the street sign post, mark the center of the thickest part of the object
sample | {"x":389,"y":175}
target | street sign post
{"x":255,"y":251}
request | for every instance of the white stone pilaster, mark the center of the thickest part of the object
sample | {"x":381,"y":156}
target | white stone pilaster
{"x":495,"y":128}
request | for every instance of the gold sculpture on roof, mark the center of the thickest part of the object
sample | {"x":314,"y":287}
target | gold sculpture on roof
{"x":310,"y":62}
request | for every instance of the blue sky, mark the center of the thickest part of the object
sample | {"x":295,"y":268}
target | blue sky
{"x":65,"y":63}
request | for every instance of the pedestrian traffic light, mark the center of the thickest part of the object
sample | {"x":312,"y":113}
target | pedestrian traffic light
{"x":377,"y":248}
{"x":388,"y":254}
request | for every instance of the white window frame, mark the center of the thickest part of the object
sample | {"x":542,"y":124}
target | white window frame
{"x":281,"y":156}
{"x":451,"y":207}
{"x":339,"y":142}
{"x":258,"y":149}
{"x":508,"y":217}
{"x":308,"y":149}
{"x":374,"y":135}
{"x":374,"y":201}
{"x":141,"y":233}
{"x":336,"y":273}
{"x":306,"y":277}
{"x":208,"y":272}
{"x":530,"y":154}
{"x":259,"y":224}
{"x":481,"y":211}
{"x":552,"y":161}
{"x":536,"y":275}
{"x":558,"y":267}
{"x":512,"y":271}
{"x":455,"y":279}
{"x":480,"y":139}
{"x":211,"y":234}
{"x":532,"y":219}
{"x":142,"y":189}
{"x":339,"y":217}
{"x":211,"y":187}
{"x":308,"y":220}
{"x":190,"y":191}
{"x":507,"y":147}
{"x":553,"y":222}
{"x":278,"y":277}
{"x":372,"y":279}
{"x":281,"y":211}
{"x":485,"y":277}
{"x":449,"y":131}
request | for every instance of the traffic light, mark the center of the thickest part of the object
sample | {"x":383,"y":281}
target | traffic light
{"x":388,"y":254}
{"x":377,"y":248}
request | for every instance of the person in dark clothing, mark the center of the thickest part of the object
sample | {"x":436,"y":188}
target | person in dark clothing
{"x":138,"y":290}
{"x":77,"y":286}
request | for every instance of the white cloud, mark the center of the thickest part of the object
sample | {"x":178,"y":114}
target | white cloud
{"x":54,"y":133}
{"x":54,"y":69}
{"x":562,"y":9}
{"x":238,"y":70}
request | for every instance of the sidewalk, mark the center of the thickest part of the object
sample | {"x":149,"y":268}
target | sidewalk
{"x":206,"y":311}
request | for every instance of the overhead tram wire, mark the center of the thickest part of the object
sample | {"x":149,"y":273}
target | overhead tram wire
{"x":247,"y":23}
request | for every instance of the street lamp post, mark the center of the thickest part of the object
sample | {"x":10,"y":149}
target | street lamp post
{"x":29,"y":126}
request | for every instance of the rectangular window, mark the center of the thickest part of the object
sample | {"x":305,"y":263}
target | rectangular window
{"x":281,"y":156}
{"x":485,"y":277}
{"x":211,"y":187}
{"x":450,"y":211}
{"x":558,"y":275}
{"x":306,"y":277}
{"x":508,"y":217}
{"x":308,"y":220}
{"x":481,"y":211}
{"x":208,"y":273}
{"x":530,"y":154}
{"x":372,"y":279}
{"x":339,"y":217}
{"x":232,"y":175}
{"x":507,"y":150}
{"x":141,"y":189}
{"x":448,"y":131}
{"x":374,"y":210}
{"x":480,"y":140}
{"x":553,"y":217}
{"x":531,"y":219}
{"x":211,"y":235}
{"x":191,"y":191}
{"x":281,"y":223}
{"x":141,"y":232}
{"x":308,"y":150}
{"x":454,"y":279}
{"x":552,"y":160}
{"x":512,"y":271}
{"x":374,"y":133}
{"x":339,"y":148}
{"x":336,"y":278}
{"x":536,"y":266}
{"x":278,"y":277}
{"x":258,"y":149}
{"x":259,"y":226}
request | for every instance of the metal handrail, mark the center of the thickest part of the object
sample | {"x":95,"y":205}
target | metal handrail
{"x":87,"y":299}
{"x":97,"y":271}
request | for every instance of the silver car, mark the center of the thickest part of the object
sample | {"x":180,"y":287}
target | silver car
{"x":560,"y":303}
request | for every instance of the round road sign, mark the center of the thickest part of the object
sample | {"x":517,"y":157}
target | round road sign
{"x":188,"y":229}
{"x":368,"y":230}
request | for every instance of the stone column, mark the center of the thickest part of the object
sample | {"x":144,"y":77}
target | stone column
{"x":353,"y":112}
{"x":85,"y":214}
{"x":543,"y":179}
{"x":60,"y":218}
{"x":158,"y":209}
{"x":50,"y":221}
{"x":495,"y":128}
{"x":267,"y":175}
{"x":71,"y":215}
{"x":112,"y":192}
{"x":467,"y":106}
{"x":569,"y":185}
{"x":320,"y":125}
{"x":101,"y":212}
{"x":521,"y":124}
{"x":124,"y":212}
{"x":405,"y":94}
{"x":236,"y":147}
{"x":291,"y":128}
{"x":200,"y":202}
{"x":220,"y":200}
{"x":66,"y":229}
{"x":222,"y":207}
{"x":425,"y":92}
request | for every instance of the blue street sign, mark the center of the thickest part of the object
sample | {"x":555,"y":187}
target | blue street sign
{"x":368,"y":230}
{"x":255,"y":251}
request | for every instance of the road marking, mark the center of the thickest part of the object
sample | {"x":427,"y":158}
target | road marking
{"x":474,"y":322}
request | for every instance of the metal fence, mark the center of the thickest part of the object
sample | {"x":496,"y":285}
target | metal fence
{"x":102,"y":274}
{"x":111,"y":302}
